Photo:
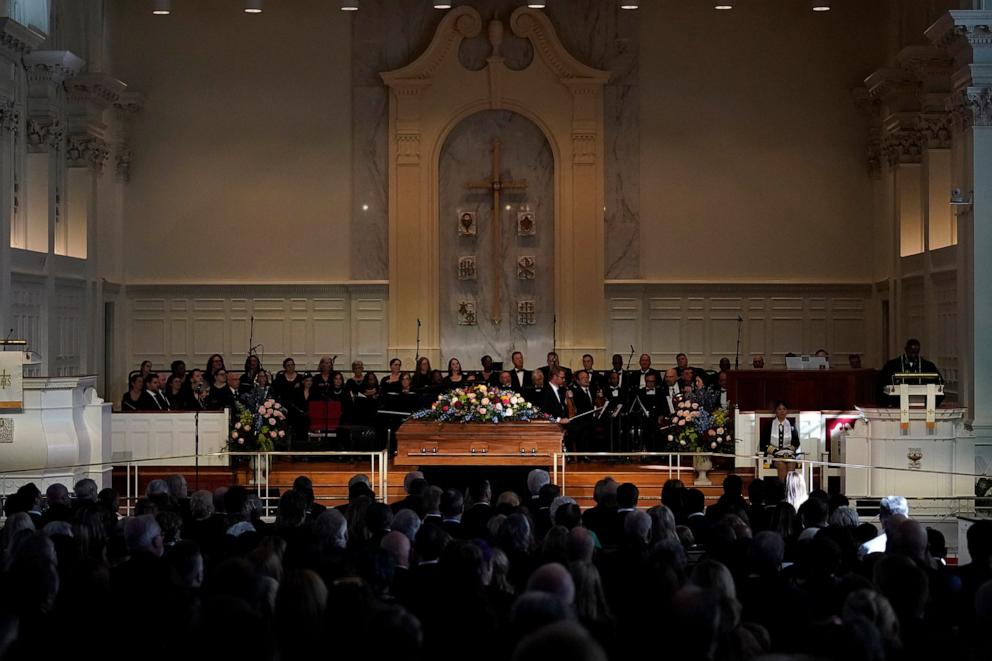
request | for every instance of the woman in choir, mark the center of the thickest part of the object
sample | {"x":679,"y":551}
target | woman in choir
{"x":174,"y":393}
{"x":455,"y":378}
{"x":322,"y":379}
{"x":367,"y":400}
{"x":354,"y":382}
{"x":195,"y":391}
{"x":422,"y":375}
{"x":781,"y":441}
{"x":214,"y":363}
{"x":338,"y":393}
{"x":391,"y":382}
{"x":136,"y":388}
{"x":286,"y":382}
{"x":246,"y":383}
{"x":220,"y":396}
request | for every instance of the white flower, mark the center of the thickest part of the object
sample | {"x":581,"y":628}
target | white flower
{"x":237,"y":425}
{"x":234,"y":434}
{"x":241,"y":441}
{"x":276,"y":406}
{"x":671,"y":438}
{"x":682,"y":442}
{"x":272,"y":421}
{"x":282,"y":434}
{"x":713,"y":444}
{"x":719,"y":430}
{"x":261,"y":409}
{"x":695,"y":405}
{"x":485,"y":400}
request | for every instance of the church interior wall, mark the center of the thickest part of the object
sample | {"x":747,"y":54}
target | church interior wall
{"x":752,"y":149}
{"x":242,"y":154}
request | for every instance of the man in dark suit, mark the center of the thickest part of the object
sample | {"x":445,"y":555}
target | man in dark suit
{"x":596,"y":380}
{"x":909,"y":361}
{"x":521,"y":377}
{"x":553,"y":396}
{"x":153,"y":399}
{"x":580,"y":431}
{"x":623,"y":377}
{"x":552,"y":363}
{"x":682,"y":364}
{"x":452,"y":506}
{"x":475,"y":520}
{"x":651,"y":403}
{"x":695,"y":507}
{"x":669,"y":393}
{"x":645,"y":369}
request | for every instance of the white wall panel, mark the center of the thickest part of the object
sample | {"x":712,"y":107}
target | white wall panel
{"x":166,"y":323}
{"x":701,"y":320}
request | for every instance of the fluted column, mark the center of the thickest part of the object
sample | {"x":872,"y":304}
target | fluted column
{"x":966,"y":36}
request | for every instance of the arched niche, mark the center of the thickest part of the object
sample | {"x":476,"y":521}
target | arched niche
{"x":428,"y":98}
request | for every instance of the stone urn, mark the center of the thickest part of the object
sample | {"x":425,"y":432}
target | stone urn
{"x":703,"y":464}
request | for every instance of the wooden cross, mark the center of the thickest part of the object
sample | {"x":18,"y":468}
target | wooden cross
{"x":495,"y":185}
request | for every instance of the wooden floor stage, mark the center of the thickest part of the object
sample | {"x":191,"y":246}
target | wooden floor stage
{"x":330,"y":478}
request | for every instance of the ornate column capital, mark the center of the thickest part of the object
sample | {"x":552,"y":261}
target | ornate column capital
{"x":903,"y":146}
{"x":971,"y":107}
{"x":127,"y":106}
{"x":10,"y":118}
{"x":43,"y":134}
{"x":50,"y":67}
{"x":17,"y":39}
{"x":86,"y":151}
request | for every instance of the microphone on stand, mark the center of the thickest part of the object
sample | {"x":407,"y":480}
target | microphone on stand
{"x":7,"y":339}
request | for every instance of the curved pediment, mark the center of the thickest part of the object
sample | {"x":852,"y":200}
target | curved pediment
{"x":466,"y":23}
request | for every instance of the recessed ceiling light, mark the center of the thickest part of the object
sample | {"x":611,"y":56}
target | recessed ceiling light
{"x":162,"y":7}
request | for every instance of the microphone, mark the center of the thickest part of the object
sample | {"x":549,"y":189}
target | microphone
{"x":631,"y":348}
{"x":740,"y":318}
{"x":418,"y":322}
{"x":9,"y":335}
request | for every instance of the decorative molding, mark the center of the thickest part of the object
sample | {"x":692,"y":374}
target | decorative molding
{"x":122,"y":164}
{"x":526,"y":267}
{"x":97,"y":89}
{"x":52,"y":66}
{"x":959,"y":28}
{"x":17,"y":40}
{"x":407,"y":148}
{"x":466,"y":268}
{"x":536,"y":27}
{"x":459,"y":23}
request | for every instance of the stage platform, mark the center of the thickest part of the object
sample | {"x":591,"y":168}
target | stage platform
{"x":330,"y":479}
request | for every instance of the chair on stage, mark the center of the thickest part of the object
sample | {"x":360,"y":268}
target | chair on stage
{"x":325,"y":423}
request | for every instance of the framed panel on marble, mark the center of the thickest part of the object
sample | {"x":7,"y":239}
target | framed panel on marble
{"x":526,"y":267}
{"x":466,"y":267}
{"x":526,"y":224}
{"x":466,"y":313}
{"x":466,"y":223}
{"x":526,"y":312}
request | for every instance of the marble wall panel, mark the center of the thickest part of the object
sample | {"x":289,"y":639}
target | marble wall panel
{"x":465,"y":157}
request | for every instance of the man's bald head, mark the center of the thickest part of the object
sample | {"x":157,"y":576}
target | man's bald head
{"x":397,"y":545}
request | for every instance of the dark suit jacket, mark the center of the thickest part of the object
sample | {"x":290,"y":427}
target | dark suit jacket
{"x":551,"y":404}
{"x":635,"y":377}
{"x":454,"y":528}
{"x":148,"y":402}
{"x":476,"y":519}
{"x":895,"y":366}
{"x":517,"y":385}
{"x":582,"y":401}
{"x":220,"y":398}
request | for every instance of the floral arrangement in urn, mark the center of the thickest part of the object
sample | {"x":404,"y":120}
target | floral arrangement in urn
{"x":694,"y":429}
{"x":481,"y":403}
{"x":259,"y":429}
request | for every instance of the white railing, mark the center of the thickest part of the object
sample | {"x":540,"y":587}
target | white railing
{"x":261,"y":466}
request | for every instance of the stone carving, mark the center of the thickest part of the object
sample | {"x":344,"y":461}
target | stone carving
{"x":44,"y":134}
{"x":526,"y":267}
{"x":936,"y":130}
{"x":466,"y":313}
{"x":86,"y":151}
{"x":466,"y":223}
{"x":466,"y":267}
{"x":526,"y":225}
{"x":6,"y":430}
{"x":526,"y":313}
{"x":903,"y":146}
{"x":9,"y":117}
{"x":971,"y":108}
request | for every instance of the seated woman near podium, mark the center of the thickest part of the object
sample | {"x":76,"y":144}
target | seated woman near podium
{"x":781,"y":441}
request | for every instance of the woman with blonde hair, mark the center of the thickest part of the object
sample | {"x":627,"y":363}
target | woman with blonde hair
{"x":796,"y":492}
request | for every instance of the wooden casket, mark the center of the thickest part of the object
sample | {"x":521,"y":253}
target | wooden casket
{"x":429,"y":443}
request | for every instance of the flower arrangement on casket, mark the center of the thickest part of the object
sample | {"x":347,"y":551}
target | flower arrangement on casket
{"x":480,"y":403}
{"x":694,"y":429}
{"x":260,"y":428}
